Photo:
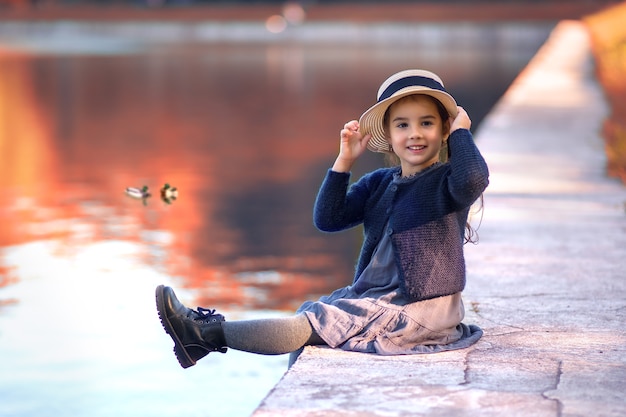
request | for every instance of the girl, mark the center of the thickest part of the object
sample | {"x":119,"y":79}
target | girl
{"x":406,"y":294}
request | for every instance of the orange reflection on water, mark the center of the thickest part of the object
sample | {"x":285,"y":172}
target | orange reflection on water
{"x":27,"y":164}
{"x":78,"y":131}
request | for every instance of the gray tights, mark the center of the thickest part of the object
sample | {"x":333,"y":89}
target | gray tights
{"x":271,"y":336}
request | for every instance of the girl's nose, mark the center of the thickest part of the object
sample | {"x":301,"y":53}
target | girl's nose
{"x":415,"y":133}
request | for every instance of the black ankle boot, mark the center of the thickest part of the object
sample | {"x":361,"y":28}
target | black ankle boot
{"x":195,"y":333}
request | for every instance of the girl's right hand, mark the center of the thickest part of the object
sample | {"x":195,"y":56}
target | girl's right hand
{"x":353,"y":144}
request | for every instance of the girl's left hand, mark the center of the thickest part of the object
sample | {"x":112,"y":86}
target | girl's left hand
{"x":461,"y":121}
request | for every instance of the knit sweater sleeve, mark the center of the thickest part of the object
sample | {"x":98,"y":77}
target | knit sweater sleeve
{"x":339,"y":206}
{"x":469,"y":175}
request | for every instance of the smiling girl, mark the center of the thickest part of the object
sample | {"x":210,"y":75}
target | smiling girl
{"x":406,"y":294}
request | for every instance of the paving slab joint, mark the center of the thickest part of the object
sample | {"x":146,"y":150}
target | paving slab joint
{"x":557,"y":382}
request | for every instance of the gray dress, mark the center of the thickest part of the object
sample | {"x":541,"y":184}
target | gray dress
{"x":374,"y":316}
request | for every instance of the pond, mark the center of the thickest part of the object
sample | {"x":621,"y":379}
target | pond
{"x":245,"y":131}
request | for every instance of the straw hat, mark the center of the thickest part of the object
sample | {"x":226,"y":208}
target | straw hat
{"x":399,"y":85}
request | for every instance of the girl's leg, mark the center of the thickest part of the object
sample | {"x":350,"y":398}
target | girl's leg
{"x":196,"y":333}
{"x":313,"y":340}
{"x":270,"y":336}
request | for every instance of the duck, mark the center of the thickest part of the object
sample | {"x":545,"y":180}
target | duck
{"x":139,"y":193}
{"x":169,"y":193}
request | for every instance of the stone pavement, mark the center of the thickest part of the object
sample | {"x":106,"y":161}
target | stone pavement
{"x":547,"y":282}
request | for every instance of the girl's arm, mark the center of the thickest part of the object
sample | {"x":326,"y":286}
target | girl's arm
{"x":332,"y":211}
{"x":469,"y":174}
{"x":337,"y":206}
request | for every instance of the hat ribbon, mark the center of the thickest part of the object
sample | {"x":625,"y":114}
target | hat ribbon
{"x":414,"y":80}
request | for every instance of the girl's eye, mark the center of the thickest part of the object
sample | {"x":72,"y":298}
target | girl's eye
{"x":427,"y":123}
{"x":401,"y":125}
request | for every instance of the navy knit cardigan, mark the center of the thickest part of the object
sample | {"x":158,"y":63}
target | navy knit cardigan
{"x":427,"y":214}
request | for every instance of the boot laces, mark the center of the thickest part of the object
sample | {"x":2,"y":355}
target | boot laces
{"x":206,"y":315}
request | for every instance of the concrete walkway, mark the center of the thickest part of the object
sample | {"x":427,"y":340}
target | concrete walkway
{"x":547,"y":282}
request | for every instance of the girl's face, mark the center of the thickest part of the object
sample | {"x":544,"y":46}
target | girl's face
{"x":416,"y":132}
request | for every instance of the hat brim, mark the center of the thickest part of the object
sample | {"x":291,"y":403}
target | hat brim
{"x":371,"y":121}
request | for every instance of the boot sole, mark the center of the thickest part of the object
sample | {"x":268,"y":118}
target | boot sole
{"x":179,"y":350}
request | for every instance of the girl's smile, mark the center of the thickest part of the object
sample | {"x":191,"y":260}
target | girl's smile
{"x":416,"y":132}
{"x":417,"y":148}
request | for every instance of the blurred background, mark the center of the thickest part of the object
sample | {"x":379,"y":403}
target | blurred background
{"x":239,"y":106}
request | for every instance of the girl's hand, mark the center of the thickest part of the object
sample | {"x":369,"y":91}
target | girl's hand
{"x":461,"y":121}
{"x":353,"y":144}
